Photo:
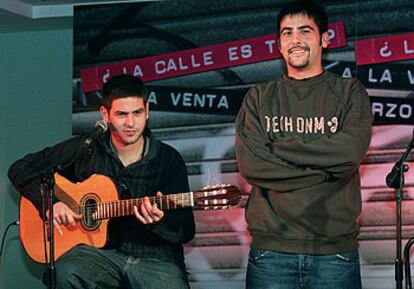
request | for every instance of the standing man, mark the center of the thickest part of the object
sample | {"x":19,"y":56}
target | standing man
{"x":300,"y":140}
{"x":149,"y":252}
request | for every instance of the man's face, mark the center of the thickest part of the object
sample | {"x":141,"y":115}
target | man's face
{"x":301,"y":45}
{"x":127,"y":119}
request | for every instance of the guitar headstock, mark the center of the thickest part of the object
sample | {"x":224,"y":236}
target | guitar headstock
{"x":217,"y":197}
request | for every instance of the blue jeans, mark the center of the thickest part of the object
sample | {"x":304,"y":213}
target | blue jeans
{"x":272,"y":270}
{"x":86,"y":267}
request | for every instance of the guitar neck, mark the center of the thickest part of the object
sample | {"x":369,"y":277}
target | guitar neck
{"x":126,"y":207}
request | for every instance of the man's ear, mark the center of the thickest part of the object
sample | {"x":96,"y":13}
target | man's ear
{"x":104,"y":113}
{"x":147,"y":108}
{"x":325,"y":39}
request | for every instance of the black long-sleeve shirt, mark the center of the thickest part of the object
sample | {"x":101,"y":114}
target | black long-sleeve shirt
{"x":160,"y":169}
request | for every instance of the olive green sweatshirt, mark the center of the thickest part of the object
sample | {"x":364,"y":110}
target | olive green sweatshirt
{"x":299,"y":143}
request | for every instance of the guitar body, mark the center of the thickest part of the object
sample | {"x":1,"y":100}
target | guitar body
{"x":97,"y":188}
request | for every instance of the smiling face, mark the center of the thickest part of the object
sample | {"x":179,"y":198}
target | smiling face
{"x":127,"y":118}
{"x":301,"y":46}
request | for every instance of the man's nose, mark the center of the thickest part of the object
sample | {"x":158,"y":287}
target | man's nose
{"x":296,"y":37}
{"x":129,"y":120}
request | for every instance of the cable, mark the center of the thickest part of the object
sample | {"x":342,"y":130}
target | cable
{"x":4,"y":236}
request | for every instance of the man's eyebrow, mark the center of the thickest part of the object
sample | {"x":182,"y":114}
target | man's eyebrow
{"x":289,"y":28}
{"x":286,"y":28}
{"x":139,"y":109}
{"x":306,"y":27}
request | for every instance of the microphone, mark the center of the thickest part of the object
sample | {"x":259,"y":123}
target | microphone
{"x":100,"y":128}
{"x":394,"y":177}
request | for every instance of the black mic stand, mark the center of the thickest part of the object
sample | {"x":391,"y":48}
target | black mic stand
{"x":48,"y":183}
{"x":395,"y":179}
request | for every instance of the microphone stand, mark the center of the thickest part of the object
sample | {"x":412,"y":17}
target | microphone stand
{"x":48,"y":186}
{"x":395,"y":179}
{"x":48,"y":183}
{"x":408,"y":284}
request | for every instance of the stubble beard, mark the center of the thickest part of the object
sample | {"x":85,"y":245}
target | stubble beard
{"x":299,"y":63}
{"x":122,"y":138}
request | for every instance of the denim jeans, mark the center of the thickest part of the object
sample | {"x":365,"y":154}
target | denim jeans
{"x":273,"y":270}
{"x":86,"y":267}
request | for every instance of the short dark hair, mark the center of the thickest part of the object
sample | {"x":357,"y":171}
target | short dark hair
{"x":121,"y":86}
{"x":308,"y":8}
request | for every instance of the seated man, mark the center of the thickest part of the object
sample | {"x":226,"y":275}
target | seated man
{"x":148,"y":251}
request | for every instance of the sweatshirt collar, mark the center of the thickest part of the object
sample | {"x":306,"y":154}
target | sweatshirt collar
{"x":306,"y":81}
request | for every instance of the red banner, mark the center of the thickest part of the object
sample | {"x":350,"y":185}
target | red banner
{"x":197,"y":60}
{"x":384,"y":49}
{"x":337,"y":36}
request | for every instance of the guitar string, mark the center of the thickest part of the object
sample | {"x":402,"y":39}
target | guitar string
{"x":169,"y":197}
{"x":128,"y":202}
{"x":116,"y":204}
{"x":173,"y":197}
{"x":117,"y":207}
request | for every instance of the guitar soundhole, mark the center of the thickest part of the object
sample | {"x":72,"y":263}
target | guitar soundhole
{"x":89,"y":205}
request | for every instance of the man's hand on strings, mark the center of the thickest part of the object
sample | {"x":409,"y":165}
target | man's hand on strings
{"x":148,"y":213}
{"x":63,"y":215}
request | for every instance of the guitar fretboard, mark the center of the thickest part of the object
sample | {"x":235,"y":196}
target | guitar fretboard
{"x":126,"y":207}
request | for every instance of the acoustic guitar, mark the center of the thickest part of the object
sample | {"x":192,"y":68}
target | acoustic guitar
{"x":96,"y":199}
